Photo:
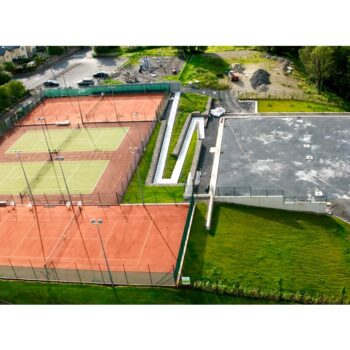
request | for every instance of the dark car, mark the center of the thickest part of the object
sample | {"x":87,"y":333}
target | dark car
{"x":51,"y":83}
{"x":101,"y":75}
{"x":86,"y":82}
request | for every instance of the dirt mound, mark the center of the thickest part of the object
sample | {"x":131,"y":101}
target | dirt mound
{"x":260,"y":77}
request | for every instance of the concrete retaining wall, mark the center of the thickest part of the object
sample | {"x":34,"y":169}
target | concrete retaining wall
{"x":275,"y":202}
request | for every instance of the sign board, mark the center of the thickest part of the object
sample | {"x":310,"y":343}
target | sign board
{"x":185,"y":281}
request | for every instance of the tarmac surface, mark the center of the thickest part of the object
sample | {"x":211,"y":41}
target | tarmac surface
{"x":304,"y":156}
{"x":71,"y":69}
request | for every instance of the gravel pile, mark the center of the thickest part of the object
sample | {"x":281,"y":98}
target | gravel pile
{"x":260,"y":77}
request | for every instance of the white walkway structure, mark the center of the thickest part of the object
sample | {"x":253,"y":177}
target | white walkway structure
{"x":195,"y":122}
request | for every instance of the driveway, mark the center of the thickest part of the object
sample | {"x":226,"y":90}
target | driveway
{"x":72,"y":69}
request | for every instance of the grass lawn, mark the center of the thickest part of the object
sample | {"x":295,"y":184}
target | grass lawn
{"x":51,"y":293}
{"x":189,"y":158}
{"x":294,"y":106}
{"x":189,"y":102}
{"x":46,"y":177}
{"x":151,"y":194}
{"x":270,"y":250}
{"x":69,"y":140}
{"x":208,"y":70}
{"x":111,"y":81}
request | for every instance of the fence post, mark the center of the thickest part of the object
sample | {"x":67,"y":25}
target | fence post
{"x":117,"y":198}
{"x":103,"y":279}
{"x":126,"y":276}
{"x":31,"y":265}
{"x":76,"y":268}
{"x":13,"y":269}
{"x":150,"y":276}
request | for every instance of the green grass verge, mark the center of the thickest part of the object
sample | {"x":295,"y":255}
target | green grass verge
{"x":189,"y":158}
{"x":112,"y":82}
{"x":51,"y":293}
{"x":270,"y":250}
{"x":46,"y":177}
{"x":208,"y":70}
{"x":189,"y":102}
{"x":69,"y":140}
{"x":215,"y":49}
{"x":295,"y":106}
{"x":151,"y":194}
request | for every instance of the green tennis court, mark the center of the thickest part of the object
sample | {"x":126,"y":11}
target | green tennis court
{"x":69,"y":140}
{"x":47,"y":178}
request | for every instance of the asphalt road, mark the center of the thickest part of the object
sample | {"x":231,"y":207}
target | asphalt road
{"x":72,"y":69}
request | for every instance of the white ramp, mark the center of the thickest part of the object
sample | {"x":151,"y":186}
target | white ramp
{"x":166,"y":142}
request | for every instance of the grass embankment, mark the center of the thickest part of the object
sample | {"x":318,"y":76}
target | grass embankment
{"x":189,"y":102}
{"x":271,"y":251}
{"x":295,"y":106}
{"x":208,"y":70}
{"x":51,"y":293}
{"x":151,"y":194}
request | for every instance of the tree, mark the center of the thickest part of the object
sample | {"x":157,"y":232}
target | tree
{"x":16,"y":89}
{"x":186,"y":50}
{"x":318,"y":62}
{"x":10,"y":66}
{"x":55,"y":50}
{"x":106,"y":49}
{"x":4,"y":97}
{"x":5,"y":77}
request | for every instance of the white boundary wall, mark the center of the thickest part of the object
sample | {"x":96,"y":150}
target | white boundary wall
{"x":275,"y":202}
{"x":214,"y":172}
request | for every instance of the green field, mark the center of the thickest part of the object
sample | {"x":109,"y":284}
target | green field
{"x":14,"y":292}
{"x":47,"y":178}
{"x":295,"y":106}
{"x":271,"y":251}
{"x":70,"y":140}
{"x":208,"y":70}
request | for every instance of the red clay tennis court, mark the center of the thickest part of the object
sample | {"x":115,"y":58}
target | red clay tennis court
{"x":95,"y":109}
{"x":140,"y":244}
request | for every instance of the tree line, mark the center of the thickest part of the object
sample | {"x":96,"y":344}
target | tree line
{"x":327,"y":66}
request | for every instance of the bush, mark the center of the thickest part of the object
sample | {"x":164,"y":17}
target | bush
{"x":10,"y":66}
{"x":55,"y":50}
{"x":5,"y":77}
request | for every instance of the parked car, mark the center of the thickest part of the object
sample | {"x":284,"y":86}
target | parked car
{"x":51,"y":83}
{"x":101,"y":75}
{"x":86,"y":82}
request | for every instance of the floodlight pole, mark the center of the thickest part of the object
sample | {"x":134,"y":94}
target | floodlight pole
{"x":33,"y":201}
{"x":97,"y":223}
{"x":47,"y":142}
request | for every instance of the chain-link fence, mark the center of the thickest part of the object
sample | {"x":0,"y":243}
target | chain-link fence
{"x":248,"y":191}
{"x":150,"y":277}
{"x":288,"y":95}
{"x":114,"y":89}
{"x":183,"y":245}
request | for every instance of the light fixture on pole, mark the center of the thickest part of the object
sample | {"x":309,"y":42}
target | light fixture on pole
{"x":98,"y":222}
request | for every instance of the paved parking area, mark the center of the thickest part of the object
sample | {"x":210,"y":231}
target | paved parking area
{"x":301,"y":156}
{"x":72,"y":69}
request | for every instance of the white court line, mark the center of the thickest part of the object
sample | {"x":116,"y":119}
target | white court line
{"x":144,"y":243}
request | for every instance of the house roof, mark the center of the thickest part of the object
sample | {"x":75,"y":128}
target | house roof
{"x":3,"y":49}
